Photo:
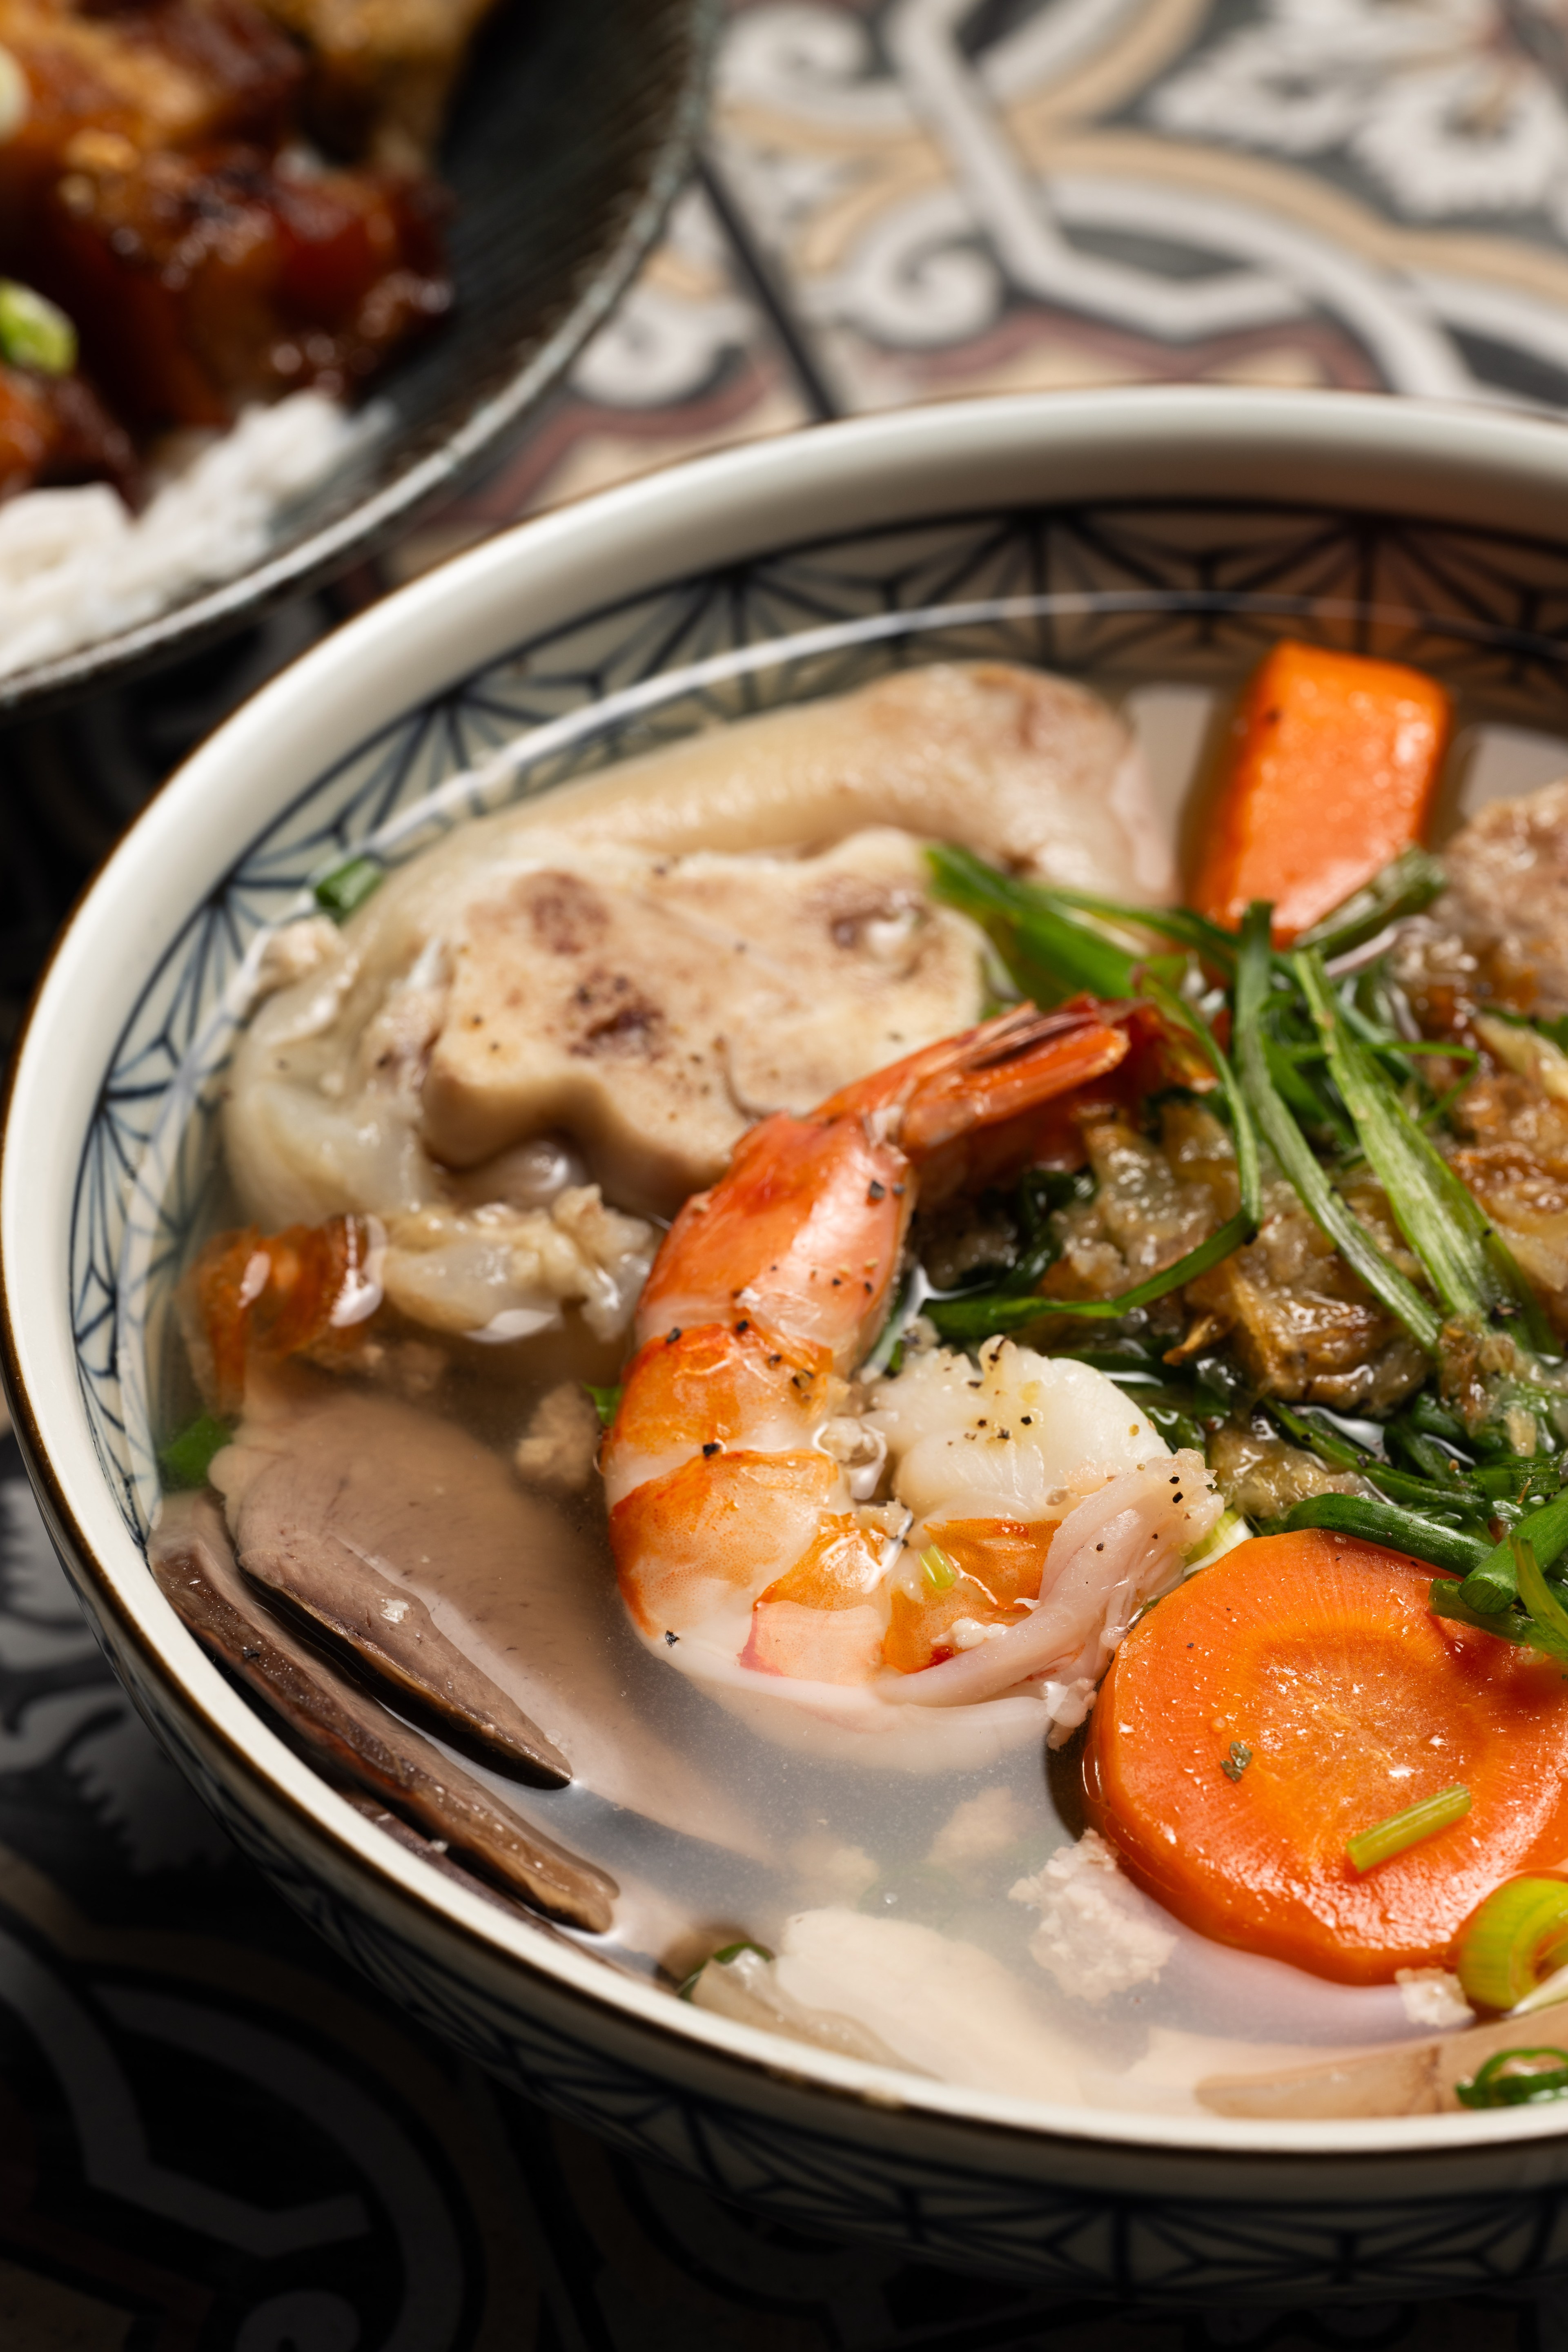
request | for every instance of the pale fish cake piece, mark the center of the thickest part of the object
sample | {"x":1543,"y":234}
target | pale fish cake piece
{"x":652,"y":1006}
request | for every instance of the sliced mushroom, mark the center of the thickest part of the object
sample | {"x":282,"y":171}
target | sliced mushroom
{"x":297,"y":1508}
{"x":347,"y":1500}
{"x":1407,"y":2078}
{"x":194,"y":1564}
{"x":436,"y":1852}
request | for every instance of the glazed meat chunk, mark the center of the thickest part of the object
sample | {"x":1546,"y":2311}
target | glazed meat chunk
{"x":147,"y":191}
{"x":54,"y":430}
{"x":199,"y":283}
{"x":383,"y":69}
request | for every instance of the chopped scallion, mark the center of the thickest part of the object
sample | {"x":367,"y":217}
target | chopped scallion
{"x":721,"y":1959}
{"x":348,"y":886}
{"x":1467,"y":1265}
{"x":1516,"y":2078}
{"x":1384,"y":1840}
{"x":606,"y":1402}
{"x":1328,"y":1209}
{"x":1514,"y":1942}
{"x":942,"y":1573}
{"x":1410,"y":882}
{"x":1046,"y":951}
{"x":1204,"y":938}
{"x":34,"y":331}
{"x":982,"y":1317}
{"x":1537,"y":1595}
{"x":1494,"y":1583}
{"x":1244,"y":1133}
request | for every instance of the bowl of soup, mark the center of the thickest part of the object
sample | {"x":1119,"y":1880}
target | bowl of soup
{"x":789,"y":1271}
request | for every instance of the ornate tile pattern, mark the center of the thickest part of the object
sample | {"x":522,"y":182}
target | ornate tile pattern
{"x":910,"y":199}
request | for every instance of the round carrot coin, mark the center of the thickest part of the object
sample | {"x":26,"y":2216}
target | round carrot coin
{"x":1292,"y":1694}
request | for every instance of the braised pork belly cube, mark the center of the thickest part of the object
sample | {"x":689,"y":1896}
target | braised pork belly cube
{"x":200,"y":282}
{"x":181,"y":75}
{"x":54,"y":430}
{"x":382,"y":70}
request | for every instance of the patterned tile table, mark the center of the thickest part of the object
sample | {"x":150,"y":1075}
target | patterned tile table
{"x":210,"y":2137}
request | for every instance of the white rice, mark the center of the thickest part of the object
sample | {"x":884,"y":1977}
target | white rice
{"x":77,"y":565}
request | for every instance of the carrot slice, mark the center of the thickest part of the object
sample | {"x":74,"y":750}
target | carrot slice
{"x":1336,"y":762}
{"x":1312,"y":1666}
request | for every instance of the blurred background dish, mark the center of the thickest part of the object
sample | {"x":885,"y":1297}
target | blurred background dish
{"x":569,"y":133}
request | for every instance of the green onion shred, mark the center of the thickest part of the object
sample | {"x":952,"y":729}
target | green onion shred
{"x":1384,"y":1840}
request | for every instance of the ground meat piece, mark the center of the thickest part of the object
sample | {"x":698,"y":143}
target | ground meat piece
{"x":382,"y":69}
{"x":200,"y":282}
{"x":561,"y":1443}
{"x":1146,"y":1209}
{"x":1261,"y":1475}
{"x":1300,"y":1323}
{"x":1200,"y":1149}
{"x":1514,"y":1158}
{"x":1507,"y":900}
{"x":961,"y":1237}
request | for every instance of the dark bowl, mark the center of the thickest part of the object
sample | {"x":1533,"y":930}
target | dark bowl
{"x":572,"y":133}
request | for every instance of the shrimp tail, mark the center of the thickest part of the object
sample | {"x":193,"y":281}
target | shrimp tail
{"x":280,"y":1295}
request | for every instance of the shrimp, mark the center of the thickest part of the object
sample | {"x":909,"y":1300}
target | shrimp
{"x":1032,"y":1507}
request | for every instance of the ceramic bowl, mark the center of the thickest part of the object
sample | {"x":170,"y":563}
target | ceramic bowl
{"x":1164,"y":534}
{"x":571,"y":135}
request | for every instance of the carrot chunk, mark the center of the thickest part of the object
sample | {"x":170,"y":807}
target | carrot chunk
{"x":1336,"y":762}
{"x":1279,"y":1702}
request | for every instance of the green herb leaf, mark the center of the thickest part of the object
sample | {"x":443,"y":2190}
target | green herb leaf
{"x":348,"y":886}
{"x":1045,"y":951}
{"x":983,"y":1316}
{"x":1383,"y":1523}
{"x":1235,"y":1763}
{"x":1405,"y":886}
{"x":1401,"y":1831}
{"x":1467,"y":1265}
{"x":1327,"y":1208}
{"x":185,"y":1461}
